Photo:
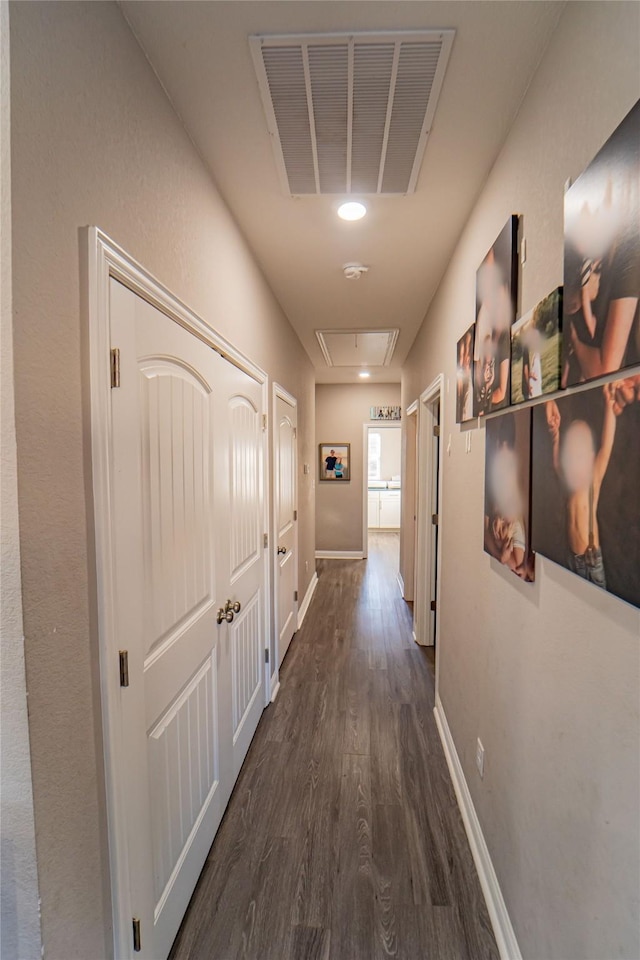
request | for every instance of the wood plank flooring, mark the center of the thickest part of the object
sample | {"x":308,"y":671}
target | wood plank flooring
{"x":343,"y":840}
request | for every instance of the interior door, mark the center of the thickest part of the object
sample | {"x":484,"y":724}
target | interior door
{"x":187,"y":486}
{"x":285,"y":523}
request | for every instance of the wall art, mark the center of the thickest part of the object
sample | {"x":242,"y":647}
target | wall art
{"x":601,"y":313}
{"x":496,"y":297}
{"x":507,"y":492}
{"x":586,"y":485}
{"x":536,"y":350}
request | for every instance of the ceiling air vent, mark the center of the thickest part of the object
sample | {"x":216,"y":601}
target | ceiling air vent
{"x":350,"y":113}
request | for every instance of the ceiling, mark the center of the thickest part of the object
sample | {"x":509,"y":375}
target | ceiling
{"x":200,"y":52}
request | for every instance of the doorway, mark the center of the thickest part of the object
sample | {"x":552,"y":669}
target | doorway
{"x":429,"y":517}
{"x":382,"y":483}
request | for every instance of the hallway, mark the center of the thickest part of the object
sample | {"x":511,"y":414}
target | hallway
{"x":343,"y":840}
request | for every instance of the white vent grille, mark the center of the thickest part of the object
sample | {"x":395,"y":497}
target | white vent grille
{"x":350,"y":113}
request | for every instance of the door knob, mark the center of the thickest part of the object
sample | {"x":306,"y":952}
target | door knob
{"x":282,"y":550}
{"x":224,"y":615}
{"x":235,"y":607}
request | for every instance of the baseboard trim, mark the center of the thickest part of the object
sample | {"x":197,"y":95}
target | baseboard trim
{"x":400,"y":584}
{"x":306,"y":600}
{"x":502,"y":927}
{"x":275,"y":686}
{"x":339,"y":555}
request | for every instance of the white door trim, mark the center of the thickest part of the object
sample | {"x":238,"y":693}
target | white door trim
{"x":434,"y":392}
{"x":279,"y":392}
{"x":106,"y":260}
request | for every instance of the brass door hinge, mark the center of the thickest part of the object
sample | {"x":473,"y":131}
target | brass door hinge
{"x":433,"y":605}
{"x":266,"y":655}
{"x":295,"y":514}
{"x":124,"y":668}
{"x":434,"y":519}
{"x":264,"y":421}
{"x":265,"y":540}
{"x":137,"y":942}
{"x":436,"y":430}
{"x":295,"y":596}
{"x":295,"y":432}
{"x":115,"y":367}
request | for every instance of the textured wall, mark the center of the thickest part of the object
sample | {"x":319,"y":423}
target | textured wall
{"x":547,"y":675}
{"x":341,"y":411}
{"x":95,"y":141}
{"x":19,"y":919}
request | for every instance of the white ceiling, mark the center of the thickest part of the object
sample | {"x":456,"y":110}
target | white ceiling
{"x":200,"y":51}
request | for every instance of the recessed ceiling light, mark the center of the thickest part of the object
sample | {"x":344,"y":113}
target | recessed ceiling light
{"x":364,"y":374}
{"x":352,"y":210}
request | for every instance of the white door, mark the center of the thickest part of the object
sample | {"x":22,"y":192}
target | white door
{"x":285,"y":459}
{"x":187,"y":489}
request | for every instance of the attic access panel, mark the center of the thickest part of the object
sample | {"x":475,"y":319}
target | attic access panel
{"x":357,"y":348}
{"x":350,"y":113}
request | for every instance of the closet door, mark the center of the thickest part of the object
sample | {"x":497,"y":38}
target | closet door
{"x":184,"y":532}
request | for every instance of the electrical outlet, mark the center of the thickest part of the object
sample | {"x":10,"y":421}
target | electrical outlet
{"x":480,"y":758}
{"x":306,"y":468}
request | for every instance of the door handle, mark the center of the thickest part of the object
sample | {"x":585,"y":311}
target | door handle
{"x":234,"y":607}
{"x":282,"y":550}
{"x":224,"y":615}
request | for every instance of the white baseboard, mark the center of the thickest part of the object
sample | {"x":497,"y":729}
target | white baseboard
{"x":306,"y":600}
{"x":400,"y":584}
{"x":275,"y":686}
{"x":339,"y":555}
{"x":502,"y":928}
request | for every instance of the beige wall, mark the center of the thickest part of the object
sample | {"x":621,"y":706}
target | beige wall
{"x":95,"y":141}
{"x":341,"y":412}
{"x":545,"y":674}
{"x":19,"y":919}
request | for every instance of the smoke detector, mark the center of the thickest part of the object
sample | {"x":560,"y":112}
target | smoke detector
{"x":353,"y":271}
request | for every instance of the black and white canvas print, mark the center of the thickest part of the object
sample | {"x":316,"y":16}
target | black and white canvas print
{"x":586,"y":485}
{"x":464,"y":376}
{"x":507,"y":492}
{"x":496,"y":297}
{"x":536,"y":350}
{"x":601,"y":315}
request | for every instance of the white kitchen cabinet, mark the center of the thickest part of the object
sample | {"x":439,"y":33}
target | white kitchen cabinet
{"x":389,"y":510}
{"x":384,"y":509}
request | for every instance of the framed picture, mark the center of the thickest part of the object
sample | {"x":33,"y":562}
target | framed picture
{"x":496,"y":296}
{"x":601,"y":315}
{"x":507,"y":492}
{"x":335,"y":461}
{"x":464,"y":376}
{"x":385,"y":413}
{"x":586,"y":478}
{"x":536,"y":350}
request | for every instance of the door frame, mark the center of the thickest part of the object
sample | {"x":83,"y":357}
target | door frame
{"x":105,"y":260}
{"x":366,"y":427}
{"x":426,"y":559}
{"x":279,"y":392}
{"x":409,"y":531}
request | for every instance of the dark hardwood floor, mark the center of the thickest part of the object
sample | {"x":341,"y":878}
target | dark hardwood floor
{"x":343,"y":840}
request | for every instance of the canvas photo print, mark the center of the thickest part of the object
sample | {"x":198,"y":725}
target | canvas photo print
{"x":586,"y":485}
{"x":536,"y":350}
{"x":335,"y":461}
{"x":507,"y":492}
{"x":464,"y":376}
{"x":496,"y":297}
{"x":601,"y":316}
